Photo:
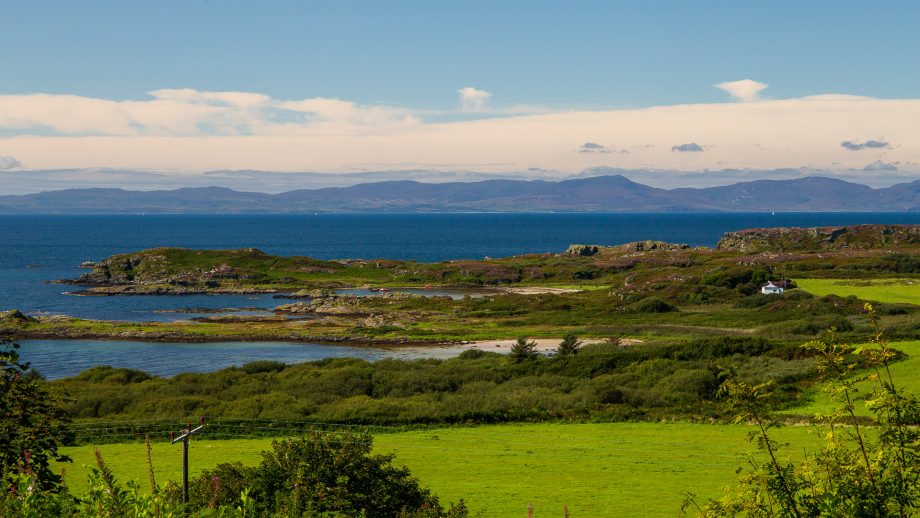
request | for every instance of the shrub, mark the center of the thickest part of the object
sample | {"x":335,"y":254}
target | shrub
{"x":471,"y":354}
{"x":652,"y":305}
{"x":263,"y":366}
{"x":321,"y":473}
{"x":107,"y":374}
{"x":900,"y":263}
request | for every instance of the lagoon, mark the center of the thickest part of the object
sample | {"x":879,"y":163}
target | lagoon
{"x":57,"y":359}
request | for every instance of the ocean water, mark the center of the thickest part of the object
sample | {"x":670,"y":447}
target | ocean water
{"x":38,"y":249}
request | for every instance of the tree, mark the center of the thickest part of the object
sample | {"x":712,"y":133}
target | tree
{"x":523,"y":350}
{"x":33,"y":423}
{"x":569,"y":346}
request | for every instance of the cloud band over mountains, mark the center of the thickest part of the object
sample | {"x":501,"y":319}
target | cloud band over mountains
{"x":193,"y":130}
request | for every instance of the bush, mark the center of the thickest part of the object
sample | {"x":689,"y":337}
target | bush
{"x":107,"y":374}
{"x":471,"y":354}
{"x":652,"y":305}
{"x":321,"y":473}
{"x":900,"y":263}
{"x":819,"y":324}
{"x":263,"y":366}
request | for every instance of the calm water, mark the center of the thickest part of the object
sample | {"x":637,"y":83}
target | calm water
{"x":36,"y":249}
{"x":62,"y":358}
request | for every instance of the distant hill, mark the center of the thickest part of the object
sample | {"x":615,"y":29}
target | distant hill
{"x":596,"y":194}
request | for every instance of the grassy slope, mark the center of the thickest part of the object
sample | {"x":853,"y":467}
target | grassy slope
{"x":892,"y":290}
{"x":621,"y":469}
{"x":904,"y":373}
{"x":903,"y":291}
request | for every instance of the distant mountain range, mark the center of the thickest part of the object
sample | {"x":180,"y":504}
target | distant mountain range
{"x":596,"y":194}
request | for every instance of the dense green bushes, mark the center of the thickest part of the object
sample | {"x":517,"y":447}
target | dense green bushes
{"x":654,"y":380}
{"x":652,"y":305}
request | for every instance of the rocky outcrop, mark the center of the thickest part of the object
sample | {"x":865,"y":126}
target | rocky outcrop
{"x":311,"y":294}
{"x":329,"y":305}
{"x":166,"y":289}
{"x":15,"y":317}
{"x":636,"y":246}
{"x":795,"y":239}
{"x":170,"y":267}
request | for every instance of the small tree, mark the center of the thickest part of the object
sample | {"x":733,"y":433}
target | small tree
{"x":523,"y":350}
{"x":569,"y":346}
{"x":33,"y":423}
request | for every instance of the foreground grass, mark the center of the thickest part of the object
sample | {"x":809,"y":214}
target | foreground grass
{"x":897,"y":291}
{"x":620,"y":469}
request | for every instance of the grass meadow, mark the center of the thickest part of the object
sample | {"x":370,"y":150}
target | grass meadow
{"x":619,"y":469}
{"x":904,"y":373}
{"x":895,"y":291}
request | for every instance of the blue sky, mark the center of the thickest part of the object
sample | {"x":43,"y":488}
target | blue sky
{"x":606,"y":54}
{"x":491,"y":87}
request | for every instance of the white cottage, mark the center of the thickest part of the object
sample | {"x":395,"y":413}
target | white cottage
{"x":772,"y":289}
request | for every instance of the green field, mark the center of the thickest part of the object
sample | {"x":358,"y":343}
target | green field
{"x":903,"y":372}
{"x":897,"y":291}
{"x":621,"y":469}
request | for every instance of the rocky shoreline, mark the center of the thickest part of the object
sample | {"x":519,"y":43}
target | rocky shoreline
{"x":174,"y":337}
{"x":110,"y":291}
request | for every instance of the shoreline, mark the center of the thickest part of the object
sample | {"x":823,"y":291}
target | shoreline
{"x":133,"y":290}
{"x":499,"y":345}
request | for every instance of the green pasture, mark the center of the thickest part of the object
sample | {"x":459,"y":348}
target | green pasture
{"x":897,"y":291}
{"x":904,"y":374}
{"x":620,"y":469}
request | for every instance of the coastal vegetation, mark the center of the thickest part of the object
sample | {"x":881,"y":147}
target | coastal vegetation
{"x":604,"y":381}
{"x":645,"y":290}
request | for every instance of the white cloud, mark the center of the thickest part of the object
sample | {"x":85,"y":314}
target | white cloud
{"x":744,"y":90}
{"x":7,"y":163}
{"x":188,"y":112}
{"x":473,"y":99}
{"x":189,"y":130}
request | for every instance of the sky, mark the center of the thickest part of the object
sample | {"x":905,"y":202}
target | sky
{"x":530,"y":89}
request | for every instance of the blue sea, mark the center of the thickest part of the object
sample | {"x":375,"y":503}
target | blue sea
{"x":38,"y":249}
